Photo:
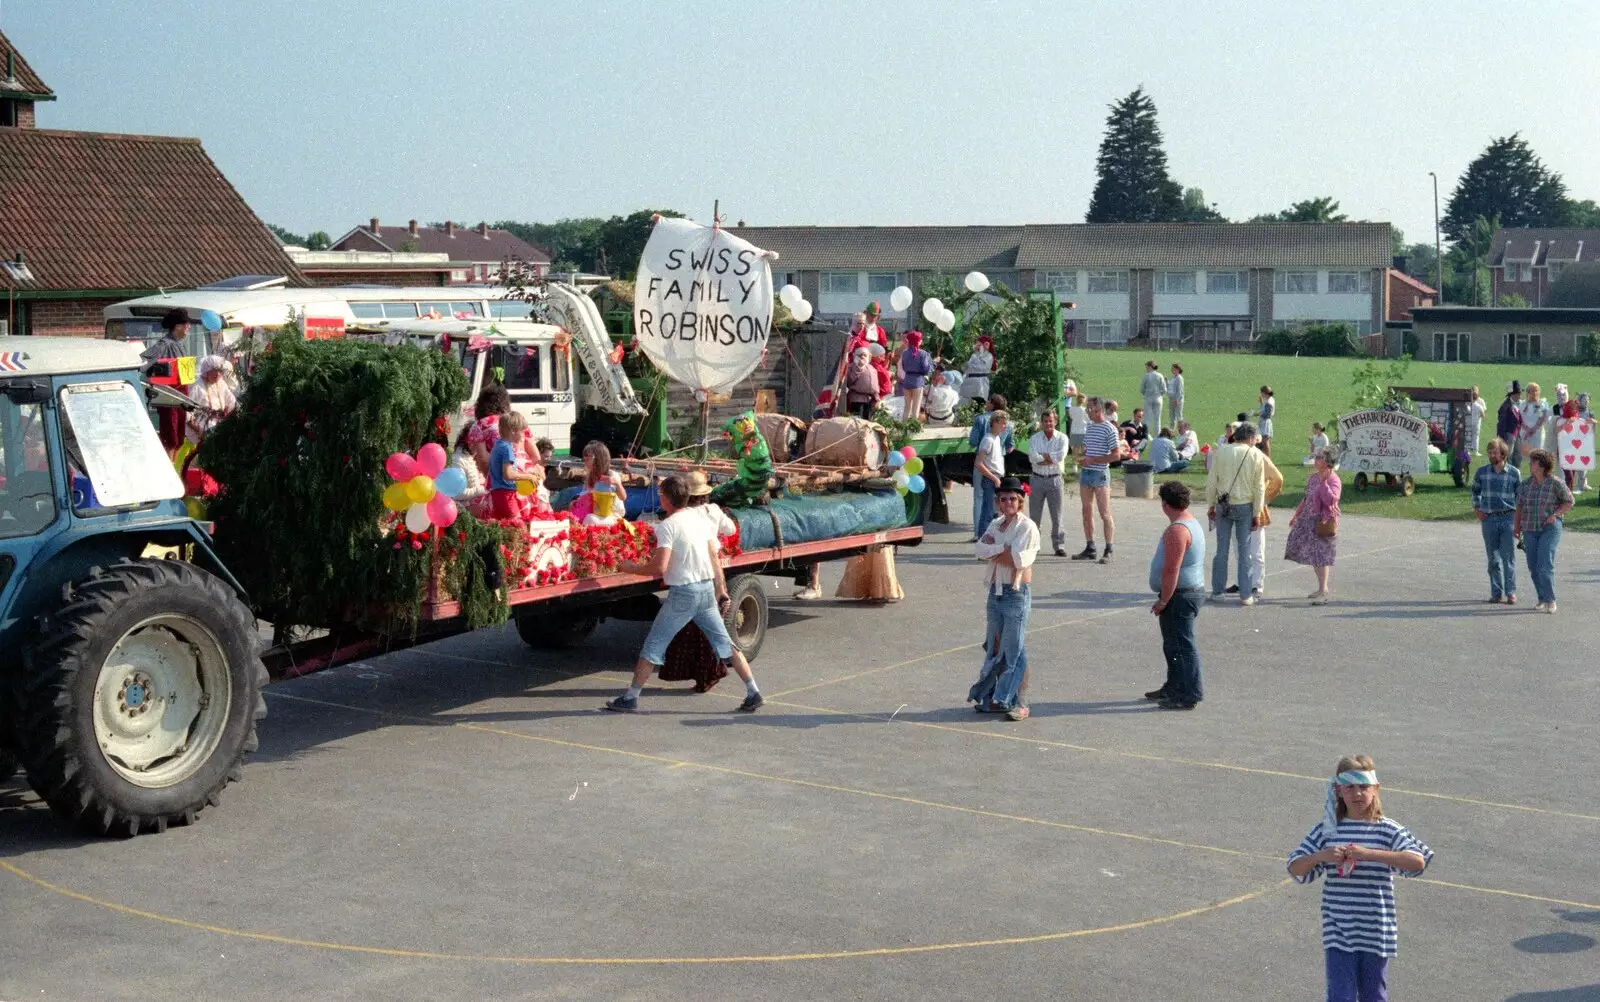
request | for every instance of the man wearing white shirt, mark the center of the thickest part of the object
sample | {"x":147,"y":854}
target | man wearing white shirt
{"x":1187,"y":441}
{"x":1047,"y":450}
{"x":1008,"y":547}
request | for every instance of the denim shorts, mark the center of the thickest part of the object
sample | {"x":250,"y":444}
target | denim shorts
{"x":695,"y":602}
{"x":1094,"y":476}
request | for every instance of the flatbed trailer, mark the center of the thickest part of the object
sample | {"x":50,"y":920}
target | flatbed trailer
{"x":564,"y":613}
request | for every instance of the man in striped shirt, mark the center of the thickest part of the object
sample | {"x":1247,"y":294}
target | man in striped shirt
{"x":1102,"y":446}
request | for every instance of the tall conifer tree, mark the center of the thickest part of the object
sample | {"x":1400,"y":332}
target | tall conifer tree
{"x":1133,"y":185}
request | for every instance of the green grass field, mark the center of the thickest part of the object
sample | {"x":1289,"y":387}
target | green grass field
{"x":1218,"y":386}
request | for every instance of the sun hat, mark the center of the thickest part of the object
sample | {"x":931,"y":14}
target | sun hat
{"x":699,"y":485}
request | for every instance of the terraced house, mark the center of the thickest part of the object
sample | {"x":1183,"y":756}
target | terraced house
{"x":1166,"y":283}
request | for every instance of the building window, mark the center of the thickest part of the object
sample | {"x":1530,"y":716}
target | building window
{"x":1108,"y":281}
{"x":1350,"y":282}
{"x":841,"y":283}
{"x":1521,"y":345}
{"x":1105,"y":331}
{"x":1554,"y":272}
{"x":1224,"y":282}
{"x":1452,"y":347}
{"x":1294,"y":282}
{"x":1175,"y":282}
{"x":1065,"y":283}
{"x":881,"y":284}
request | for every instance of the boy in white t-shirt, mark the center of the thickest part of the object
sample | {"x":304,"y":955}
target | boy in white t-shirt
{"x":688,"y":560}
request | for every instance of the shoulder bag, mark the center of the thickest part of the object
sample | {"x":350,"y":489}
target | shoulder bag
{"x":1327,"y":528}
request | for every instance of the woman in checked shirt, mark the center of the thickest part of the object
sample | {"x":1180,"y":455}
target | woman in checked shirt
{"x":1542,"y":501}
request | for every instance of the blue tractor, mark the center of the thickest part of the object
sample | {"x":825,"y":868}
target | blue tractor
{"x":130,"y":668}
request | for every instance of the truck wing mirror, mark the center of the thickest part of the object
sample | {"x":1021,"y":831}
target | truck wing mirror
{"x":26,"y":391}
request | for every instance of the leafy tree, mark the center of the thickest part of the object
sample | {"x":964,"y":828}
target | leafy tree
{"x":1513,"y":300}
{"x":285,"y":237}
{"x":622,"y":240}
{"x":608,"y":246}
{"x":1474,"y":248}
{"x":1577,"y":288}
{"x":1133,"y":184}
{"x":1311,"y":210}
{"x":1585,"y":214}
{"x":318,"y":240}
{"x":1197,"y":210}
{"x":1507,"y":182}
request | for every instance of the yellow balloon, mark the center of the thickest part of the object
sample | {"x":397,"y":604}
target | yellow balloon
{"x":913,"y":466}
{"x":395,"y":497}
{"x":420,"y":489}
{"x":525,"y":487}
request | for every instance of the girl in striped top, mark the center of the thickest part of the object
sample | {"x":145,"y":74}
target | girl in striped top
{"x":1357,"y":851}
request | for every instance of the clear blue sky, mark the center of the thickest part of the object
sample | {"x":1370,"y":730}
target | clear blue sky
{"x":324,"y":114}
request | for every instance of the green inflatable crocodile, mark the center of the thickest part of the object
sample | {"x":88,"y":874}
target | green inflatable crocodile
{"x":754,"y":461}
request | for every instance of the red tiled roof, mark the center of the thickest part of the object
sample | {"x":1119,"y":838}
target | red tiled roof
{"x":466,"y":245}
{"x":95,"y":211}
{"x":1405,"y":279}
{"x":27,"y":81}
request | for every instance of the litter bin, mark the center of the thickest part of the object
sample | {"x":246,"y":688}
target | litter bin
{"x":1138,"y":481}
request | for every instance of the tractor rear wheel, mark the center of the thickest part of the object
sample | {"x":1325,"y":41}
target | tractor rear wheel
{"x":140,"y":699}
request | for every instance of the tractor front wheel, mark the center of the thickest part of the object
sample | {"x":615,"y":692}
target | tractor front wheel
{"x":139,"y":701}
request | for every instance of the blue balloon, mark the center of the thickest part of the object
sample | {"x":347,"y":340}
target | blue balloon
{"x":450,"y":481}
{"x":916,"y":484}
{"x":210,"y":320}
{"x":897,"y":459}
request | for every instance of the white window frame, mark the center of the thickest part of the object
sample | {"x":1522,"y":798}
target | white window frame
{"x":1240,"y":280}
{"x":1532,"y":345}
{"x":1065,"y":283}
{"x":1165,"y":280}
{"x":831,"y":279}
{"x":1452,"y":343}
{"x":1119,"y":280}
{"x":1280,"y":282}
{"x":1110,"y":331}
{"x":894,"y":281}
{"x":1362,"y":281}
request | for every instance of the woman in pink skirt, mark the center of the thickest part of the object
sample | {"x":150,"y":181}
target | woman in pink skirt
{"x":1320,"y":507}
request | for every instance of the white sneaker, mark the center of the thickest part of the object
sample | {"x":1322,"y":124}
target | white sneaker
{"x":1320,"y":598}
{"x":808,"y":594}
{"x":1248,"y":600}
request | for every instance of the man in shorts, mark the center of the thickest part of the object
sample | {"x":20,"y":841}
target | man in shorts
{"x":1102,"y":446}
{"x":688,"y":559}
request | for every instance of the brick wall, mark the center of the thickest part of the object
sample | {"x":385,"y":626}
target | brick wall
{"x":1559,"y":342}
{"x":25,"y":119}
{"x":1261,"y":297}
{"x":389,"y":279}
{"x":68,"y":317}
{"x":1403,"y":298}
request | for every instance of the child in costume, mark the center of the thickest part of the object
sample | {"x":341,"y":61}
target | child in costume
{"x":754,"y":462}
{"x":980,"y":366}
{"x":1357,"y":851}
{"x":916,"y":365}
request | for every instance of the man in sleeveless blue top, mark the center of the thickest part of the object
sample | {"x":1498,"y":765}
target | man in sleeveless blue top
{"x":1177,"y":576}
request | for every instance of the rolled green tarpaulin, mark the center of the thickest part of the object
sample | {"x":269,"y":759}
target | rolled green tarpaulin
{"x":808,"y":518}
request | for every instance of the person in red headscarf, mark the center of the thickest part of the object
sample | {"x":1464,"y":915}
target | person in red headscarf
{"x":916,"y":365}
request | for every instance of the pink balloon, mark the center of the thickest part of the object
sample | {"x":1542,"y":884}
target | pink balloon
{"x":401,"y":466}
{"x":442,"y":511}
{"x":431,"y":459}
{"x":909,"y":452}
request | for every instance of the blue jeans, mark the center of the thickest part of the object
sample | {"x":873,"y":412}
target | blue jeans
{"x":1501,"y":546}
{"x":1178,"y":646}
{"x":1235,"y":528}
{"x":696,"y":601}
{"x":1004,"y":675}
{"x":1357,"y":977}
{"x":1540,"y":546}
{"x":982,"y":503}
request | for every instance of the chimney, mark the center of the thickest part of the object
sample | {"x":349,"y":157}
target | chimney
{"x":449,"y":229}
{"x":376,"y":230}
{"x":413,"y":228}
{"x":483,"y":230}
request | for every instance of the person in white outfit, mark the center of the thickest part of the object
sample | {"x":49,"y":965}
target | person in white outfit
{"x":1175,"y":394}
{"x":1047,"y":451}
{"x":1477,"y":407}
{"x":1153,"y":387}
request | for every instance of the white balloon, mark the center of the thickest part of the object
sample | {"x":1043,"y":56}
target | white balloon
{"x":901,"y":478}
{"x":946,"y":321}
{"x":790,"y":296}
{"x":417,"y":519}
{"x":931,"y":308}
{"x":900,"y":298}
{"x":801,"y":311}
{"x":977,"y":281}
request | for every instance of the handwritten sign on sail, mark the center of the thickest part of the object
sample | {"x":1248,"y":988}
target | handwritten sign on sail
{"x":702,"y":304}
{"x":1383,"y":442}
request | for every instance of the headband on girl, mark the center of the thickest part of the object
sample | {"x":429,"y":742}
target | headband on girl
{"x":1330,"y":813}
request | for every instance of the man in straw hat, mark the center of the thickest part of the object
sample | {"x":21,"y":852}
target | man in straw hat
{"x":1008,"y":546}
{"x":688,"y":559}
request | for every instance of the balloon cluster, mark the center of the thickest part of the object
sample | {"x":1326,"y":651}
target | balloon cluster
{"x":424,"y":488}
{"x":795,"y":300}
{"x":907,"y":476}
{"x":935,"y":312}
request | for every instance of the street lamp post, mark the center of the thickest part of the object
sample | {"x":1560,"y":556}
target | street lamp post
{"x":1438,"y":255}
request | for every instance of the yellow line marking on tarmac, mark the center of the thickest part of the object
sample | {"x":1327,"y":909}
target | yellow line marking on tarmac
{"x":886,"y":951}
{"x":1507,"y":894}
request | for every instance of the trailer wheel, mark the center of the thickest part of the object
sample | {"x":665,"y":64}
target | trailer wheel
{"x":747,"y":614}
{"x":543,"y":631}
{"x":1361,"y":481}
{"x":140,"y":700}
